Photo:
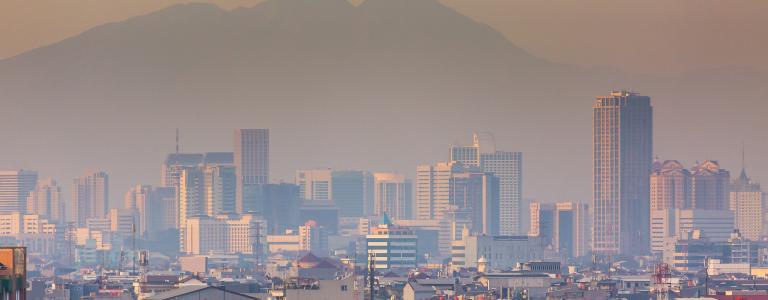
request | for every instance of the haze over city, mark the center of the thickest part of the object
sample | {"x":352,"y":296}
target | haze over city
{"x":443,"y":120}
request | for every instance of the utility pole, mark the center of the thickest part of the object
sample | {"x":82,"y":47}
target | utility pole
{"x":371,"y":272}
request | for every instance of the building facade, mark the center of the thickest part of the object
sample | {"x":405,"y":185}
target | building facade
{"x":223,"y":234}
{"x":47,"y":200}
{"x":15,"y":187}
{"x":392,"y":194}
{"x":251,"y":165}
{"x":748,"y":205}
{"x":391,"y":246}
{"x":622,"y":159}
{"x":90,"y":197}
{"x":710,"y":186}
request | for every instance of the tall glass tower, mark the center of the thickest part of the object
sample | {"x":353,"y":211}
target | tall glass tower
{"x":622,"y":160}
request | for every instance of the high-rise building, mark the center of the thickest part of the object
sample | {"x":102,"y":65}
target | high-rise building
{"x":226,"y":234}
{"x":671,"y":224}
{"x":191,"y":198}
{"x":351,"y":191}
{"x":477,"y":194}
{"x":219,"y":195}
{"x":123,"y":221}
{"x":137,"y":199}
{"x":433,"y":189}
{"x":570,"y":234}
{"x":315,"y":185}
{"x":279,"y":204}
{"x":392,"y":195}
{"x":14,"y":190}
{"x":542,"y":221}
{"x":748,"y":205}
{"x":173,"y":165}
{"x":506,"y":166}
{"x":622,"y":159}
{"x":47,"y":200}
{"x":392,"y":246}
{"x":671,"y":186}
{"x":162,"y":211}
{"x":710,"y":186}
{"x":251,"y":165}
{"x":313,"y":238}
{"x":90,"y":197}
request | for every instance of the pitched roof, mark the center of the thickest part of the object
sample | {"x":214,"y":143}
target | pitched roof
{"x":192,"y":289}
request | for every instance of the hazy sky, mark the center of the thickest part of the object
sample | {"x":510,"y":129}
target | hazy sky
{"x":640,"y":36}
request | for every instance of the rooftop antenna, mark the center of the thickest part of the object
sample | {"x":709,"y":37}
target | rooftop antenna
{"x":177,"y":141}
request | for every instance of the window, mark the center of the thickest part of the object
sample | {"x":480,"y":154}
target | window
{"x":344,"y":287}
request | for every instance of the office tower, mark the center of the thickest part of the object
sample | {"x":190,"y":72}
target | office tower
{"x":542,"y":221}
{"x":571,"y":229}
{"x":748,"y":206}
{"x":350,"y":192}
{"x":14,"y":190}
{"x":433,"y":189}
{"x":280,"y":202}
{"x":191,"y":198}
{"x":622,"y":159}
{"x":162,"y":211}
{"x":315,"y":185}
{"x":90,"y":197}
{"x":672,"y":224}
{"x":392,"y":246}
{"x":477,"y":194}
{"x":392,"y":195}
{"x":671,"y":186}
{"x":137,"y":199}
{"x":506,"y":166}
{"x":123,"y":221}
{"x":47,"y":200}
{"x":251,"y":165}
{"x":710,"y":186}
{"x":219,"y":194}
{"x":226,"y":234}
{"x":173,"y":165}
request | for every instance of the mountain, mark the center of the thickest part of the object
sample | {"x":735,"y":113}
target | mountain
{"x":385,"y":85}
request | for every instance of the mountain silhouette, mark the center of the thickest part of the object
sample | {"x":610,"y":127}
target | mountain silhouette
{"x":385,"y":85}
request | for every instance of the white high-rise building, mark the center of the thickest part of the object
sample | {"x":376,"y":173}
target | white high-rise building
{"x":225,"y":234}
{"x":392,"y":195}
{"x":47,"y":200}
{"x":507,"y":167}
{"x":433,"y":190}
{"x":252,"y":166}
{"x":315,"y":185}
{"x":748,"y":205}
{"x":392,"y":246}
{"x":137,"y":199}
{"x":14,"y":189}
{"x":90,"y":197}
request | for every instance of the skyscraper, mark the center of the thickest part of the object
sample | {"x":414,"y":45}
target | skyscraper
{"x":191,"y":198}
{"x":137,"y":199}
{"x":671,"y":186}
{"x":14,"y":189}
{"x":315,"y":185}
{"x":506,"y":166}
{"x":47,"y":200}
{"x":350,"y":192}
{"x":90,"y":197}
{"x":392,"y":195}
{"x":433,"y":189}
{"x":477,"y":195}
{"x":748,"y":206}
{"x":710,"y":186}
{"x":542,"y":221}
{"x":251,"y":165}
{"x":571,"y":229}
{"x":622,"y":159}
{"x":174,"y":163}
{"x":219,"y":194}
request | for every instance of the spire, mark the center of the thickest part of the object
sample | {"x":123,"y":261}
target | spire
{"x":385,"y":220}
{"x":177,"y":141}
{"x":743,"y":177}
